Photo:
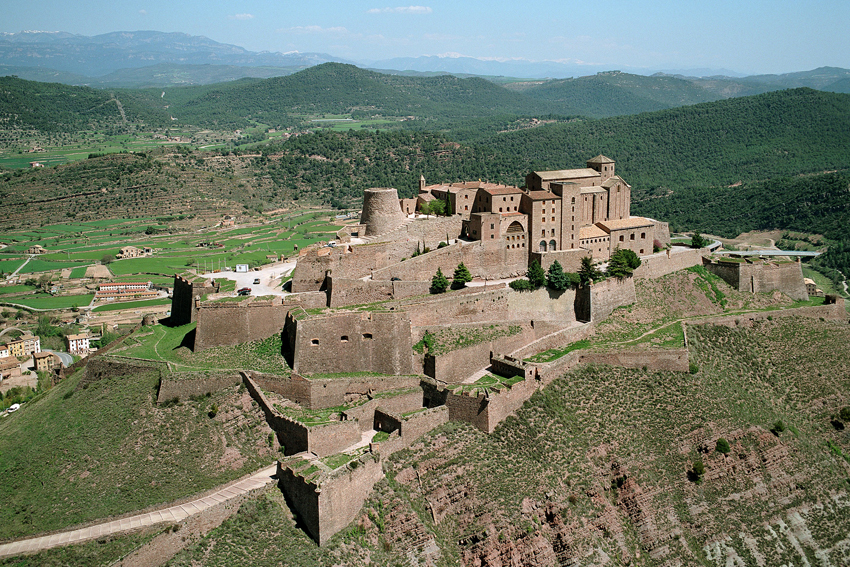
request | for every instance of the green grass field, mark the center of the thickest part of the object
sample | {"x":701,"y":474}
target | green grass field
{"x":10,"y":289}
{"x":132,"y":304}
{"x":37,"y":265}
{"x":72,"y":456}
{"x":46,"y":301}
{"x":167,"y":344}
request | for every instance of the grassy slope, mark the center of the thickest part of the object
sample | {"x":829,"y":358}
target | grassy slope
{"x":73,"y":456}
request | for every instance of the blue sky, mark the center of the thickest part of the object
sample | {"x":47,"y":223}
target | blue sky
{"x":756,"y":36}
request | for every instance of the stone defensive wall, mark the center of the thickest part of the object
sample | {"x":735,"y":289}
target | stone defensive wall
{"x":320,"y":393}
{"x":184,"y":296}
{"x":570,"y":260}
{"x":835,"y":312}
{"x":484,"y":410}
{"x":296,"y":437}
{"x":344,"y":292}
{"x":358,"y":261}
{"x":484,"y":259}
{"x":409,"y":427}
{"x":398,"y":404}
{"x":329,"y":502}
{"x":351,"y":342}
{"x":598,"y":300}
{"x":186,"y":385}
{"x":100,"y":367}
{"x":667,"y":262}
{"x":233,"y":323}
{"x":761,"y":276}
{"x":496,"y":303}
{"x":457,"y":365}
{"x":555,"y":340}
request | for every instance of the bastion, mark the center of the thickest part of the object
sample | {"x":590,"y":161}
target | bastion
{"x":381,"y":210}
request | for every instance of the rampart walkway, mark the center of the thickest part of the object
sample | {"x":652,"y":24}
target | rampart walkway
{"x":169,"y":514}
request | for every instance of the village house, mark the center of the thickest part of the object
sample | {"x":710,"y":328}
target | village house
{"x":78,"y":344}
{"x":9,"y":367}
{"x":45,"y":361}
{"x":25,"y":345}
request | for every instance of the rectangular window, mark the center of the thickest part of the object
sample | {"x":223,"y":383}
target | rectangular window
{"x":492,"y":226}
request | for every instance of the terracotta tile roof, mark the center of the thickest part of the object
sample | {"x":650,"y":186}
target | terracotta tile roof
{"x":589,"y":190}
{"x":613,"y":180}
{"x":592,"y":231}
{"x":621,"y":224}
{"x":600,"y":159}
{"x":501,"y":190}
{"x":541,"y":195}
{"x":567,"y":174}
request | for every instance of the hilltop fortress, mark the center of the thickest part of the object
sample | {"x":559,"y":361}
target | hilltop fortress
{"x":362,"y":331}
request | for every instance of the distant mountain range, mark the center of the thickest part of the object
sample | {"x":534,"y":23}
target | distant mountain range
{"x":103,"y":54}
{"x":158,"y":59}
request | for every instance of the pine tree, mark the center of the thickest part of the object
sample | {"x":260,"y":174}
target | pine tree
{"x":556,"y":278}
{"x":535,"y":274}
{"x":439,"y":283}
{"x":461,"y":276}
{"x":588,"y":271}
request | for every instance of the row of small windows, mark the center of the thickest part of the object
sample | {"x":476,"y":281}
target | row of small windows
{"x":342,"y":339}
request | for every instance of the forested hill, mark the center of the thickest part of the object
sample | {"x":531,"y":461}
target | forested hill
{"x":54,"y":107}
{"x":616,"y":93}
{"x":754,"y":138}
{"x":336,"y":88}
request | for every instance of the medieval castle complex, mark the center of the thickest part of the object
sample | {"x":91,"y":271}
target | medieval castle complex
{"x":362,"y":331}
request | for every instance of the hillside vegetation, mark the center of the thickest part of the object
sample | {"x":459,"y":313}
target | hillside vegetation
{"x":54,"y":107}
{"x":75,"y":455}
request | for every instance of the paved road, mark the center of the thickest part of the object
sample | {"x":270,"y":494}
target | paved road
{"x":67,"y":359}
{"x":170,"y":514}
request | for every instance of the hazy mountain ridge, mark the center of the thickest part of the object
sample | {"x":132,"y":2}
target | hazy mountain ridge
{"x":102,"y":54}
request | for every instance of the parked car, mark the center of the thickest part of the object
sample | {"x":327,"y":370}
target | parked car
{"x":244,"y":291}
{"x":256,"y":281}
{"x":14,"y":407}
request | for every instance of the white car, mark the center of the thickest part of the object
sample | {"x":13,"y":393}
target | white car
{"x":14,"y":407}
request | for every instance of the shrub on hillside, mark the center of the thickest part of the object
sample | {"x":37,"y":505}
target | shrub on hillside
{"x":722,"y":446}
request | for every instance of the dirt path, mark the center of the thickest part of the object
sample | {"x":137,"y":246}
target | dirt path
{"x":168,"y":514}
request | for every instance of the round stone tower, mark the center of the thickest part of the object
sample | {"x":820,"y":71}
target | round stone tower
{"x":381,"y":210}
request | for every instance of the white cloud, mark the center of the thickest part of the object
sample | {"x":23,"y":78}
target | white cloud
{"x":241,"y":17}
{"x":401,"y":10}
{"x":143,"y":12}
{"x":314,"y":29}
